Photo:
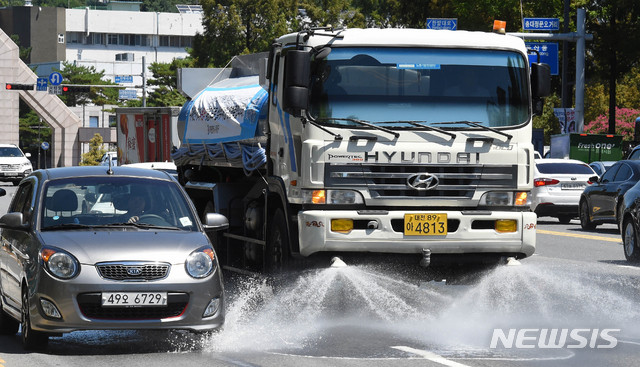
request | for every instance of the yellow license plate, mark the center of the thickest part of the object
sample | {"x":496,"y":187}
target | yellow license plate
{"x":421,"y":224}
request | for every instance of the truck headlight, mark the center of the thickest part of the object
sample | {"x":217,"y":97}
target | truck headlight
{"x":504,"y":198}
{"x":336,"y":197}
{"x":201,"y":262}
{"x":58,"y":263}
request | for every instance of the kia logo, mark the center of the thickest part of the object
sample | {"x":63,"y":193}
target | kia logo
{"x":134,"y":271}
{"x":422,"y":181}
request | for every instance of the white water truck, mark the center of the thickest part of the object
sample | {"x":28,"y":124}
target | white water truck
{"x":408,"y":143}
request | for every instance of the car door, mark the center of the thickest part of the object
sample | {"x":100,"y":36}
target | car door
{"x":612,"y":190}
{"x":15,"y":245}
{"x":597,"y":193}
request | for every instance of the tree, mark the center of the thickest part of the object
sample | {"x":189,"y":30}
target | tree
{"x":165,"y":79}
{"x":83,"y":75}
{"x":237,"y":27}
{"x":95,"y":153}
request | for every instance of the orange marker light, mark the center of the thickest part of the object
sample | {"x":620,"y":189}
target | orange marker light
{"x":500,"y":26}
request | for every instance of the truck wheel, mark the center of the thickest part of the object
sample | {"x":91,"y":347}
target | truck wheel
{"x":630,"y":241}
{"x":585,"y":221}
{"x":31,"y":339}
{"x":278,"y":246}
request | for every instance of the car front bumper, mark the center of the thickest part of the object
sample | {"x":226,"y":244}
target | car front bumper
{"x":78,"y":301}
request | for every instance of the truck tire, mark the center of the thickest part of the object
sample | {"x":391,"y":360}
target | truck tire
{"x":278,"y":246}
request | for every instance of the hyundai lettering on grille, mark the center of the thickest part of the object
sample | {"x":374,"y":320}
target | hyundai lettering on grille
{"x":423,"y":181}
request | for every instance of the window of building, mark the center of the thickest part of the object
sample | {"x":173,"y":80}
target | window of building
{"x":74,"y":37}
{"x":93,"y":121}
{"x":60,"y":37}
{"x":112,"y":121}
{"x":164,"y":41}
{"x":112,"y":39}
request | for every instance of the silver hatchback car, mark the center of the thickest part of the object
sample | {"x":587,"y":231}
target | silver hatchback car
{"x":146,"y":264}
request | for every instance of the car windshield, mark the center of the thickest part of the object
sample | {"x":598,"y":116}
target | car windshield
{"x":10,"y":152}
{"x":381,"y":85}
{"x":558,"y":168}
{"x":115,"y":201}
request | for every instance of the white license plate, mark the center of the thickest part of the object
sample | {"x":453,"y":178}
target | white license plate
{"x":134,"y":299}
{"x":11,"y":173}
{"x":573,"y":186}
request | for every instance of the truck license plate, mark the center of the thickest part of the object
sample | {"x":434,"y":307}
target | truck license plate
{"x":133,"y":299}
{"x":422,"y":224}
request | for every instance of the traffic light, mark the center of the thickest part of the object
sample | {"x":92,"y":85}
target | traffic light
{"x":15,"y":86}
{"x":76,"y":89}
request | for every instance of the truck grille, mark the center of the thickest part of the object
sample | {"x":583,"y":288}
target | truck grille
{"x":390,"y":181}
{"x":133,"y":271}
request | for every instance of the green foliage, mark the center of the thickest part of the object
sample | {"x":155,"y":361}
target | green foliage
{"x":166,"y":82}
{"x":24,"y":53}
{"x":95,"y":153}
{"x":83,"y":75}
{"x":547,"y":120}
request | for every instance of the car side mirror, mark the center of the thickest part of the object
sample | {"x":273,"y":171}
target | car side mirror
{"x":13,"y":220}
{"x":594,"y":178}
{"x":215,"y":222}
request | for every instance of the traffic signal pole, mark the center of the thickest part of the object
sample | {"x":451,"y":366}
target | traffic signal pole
{"x":579,"y":37}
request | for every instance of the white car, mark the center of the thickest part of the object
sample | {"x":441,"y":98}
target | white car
{"x":14,"y":165}
{"x":168,"y":167}
{"x":557,"y":186}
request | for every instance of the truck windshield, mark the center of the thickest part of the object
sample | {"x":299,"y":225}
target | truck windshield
{"x":432,"y":85}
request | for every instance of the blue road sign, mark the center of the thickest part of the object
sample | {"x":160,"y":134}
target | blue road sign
{"x":42,"y":85}
{"x":44,"y":145}
{"x":541,"y":24}
{"x":127,"y":94}
{"x":55,"y":78}
{"x":124,"y":78}
{"x":442,"y":23}
{"x":548,"y":54}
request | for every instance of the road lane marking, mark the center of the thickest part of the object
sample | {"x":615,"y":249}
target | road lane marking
{"x":586,"y":236}
{"x":430,"y":356}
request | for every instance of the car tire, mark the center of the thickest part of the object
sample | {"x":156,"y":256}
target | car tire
{"x":8,"y":325}
{"x":630,"y":241}
{"x":31,"y":339}
{"x":565,"y":219}
{"x":278,"y":246}
{"x":585,"y":220}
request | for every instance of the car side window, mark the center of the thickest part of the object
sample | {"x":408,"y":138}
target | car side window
{"x":635,"y":154}
{"x":610,"y":173}
{"x":624,"y":173}
{"x":22,"y":201}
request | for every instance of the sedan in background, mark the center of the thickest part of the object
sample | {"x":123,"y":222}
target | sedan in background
{"x":600,"y":167}
{"x":602,"y":201}
{"x":558,"y":184}
{"x":149,"y":266}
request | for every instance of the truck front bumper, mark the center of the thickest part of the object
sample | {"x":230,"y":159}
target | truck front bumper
{"x":468,"y":232}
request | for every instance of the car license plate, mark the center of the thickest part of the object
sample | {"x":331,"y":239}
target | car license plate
{"x":422,"y":224}
{"x":11,"y":173}
{"x":574,"y":186}
{"x":134,"y":299}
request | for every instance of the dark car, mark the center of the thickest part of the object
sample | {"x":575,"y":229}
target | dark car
{"x":145,"y":264}
{"x":600,"y":167}
{"x":631,"y":224}
{"x":602,"y":201}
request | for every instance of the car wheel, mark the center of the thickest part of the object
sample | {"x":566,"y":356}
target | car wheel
{"x":585,"y":220}
{"x":565,"y":219}
{"x":31,"y":339}
{"x":630,"y":241}
{"x":278,"y":246}
{"x":8,"y":325}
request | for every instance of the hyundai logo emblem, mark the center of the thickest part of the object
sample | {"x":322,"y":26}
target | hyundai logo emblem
{"x":134,"y":271}
{"x":423,"y":181}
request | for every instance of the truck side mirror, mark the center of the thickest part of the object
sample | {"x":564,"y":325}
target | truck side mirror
{"x":297,"y":71}
{"x":540,"y":80}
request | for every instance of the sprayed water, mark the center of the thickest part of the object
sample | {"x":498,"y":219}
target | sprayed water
{"x":301,"y":315}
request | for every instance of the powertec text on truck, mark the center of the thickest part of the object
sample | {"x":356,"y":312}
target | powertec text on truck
{"x":369,"y":141}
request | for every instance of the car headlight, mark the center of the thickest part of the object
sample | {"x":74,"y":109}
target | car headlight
{"x":505,"y":198}
{"x":331,"y":197}
{"x":201,"y":262}
{"x":59,"y":263}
